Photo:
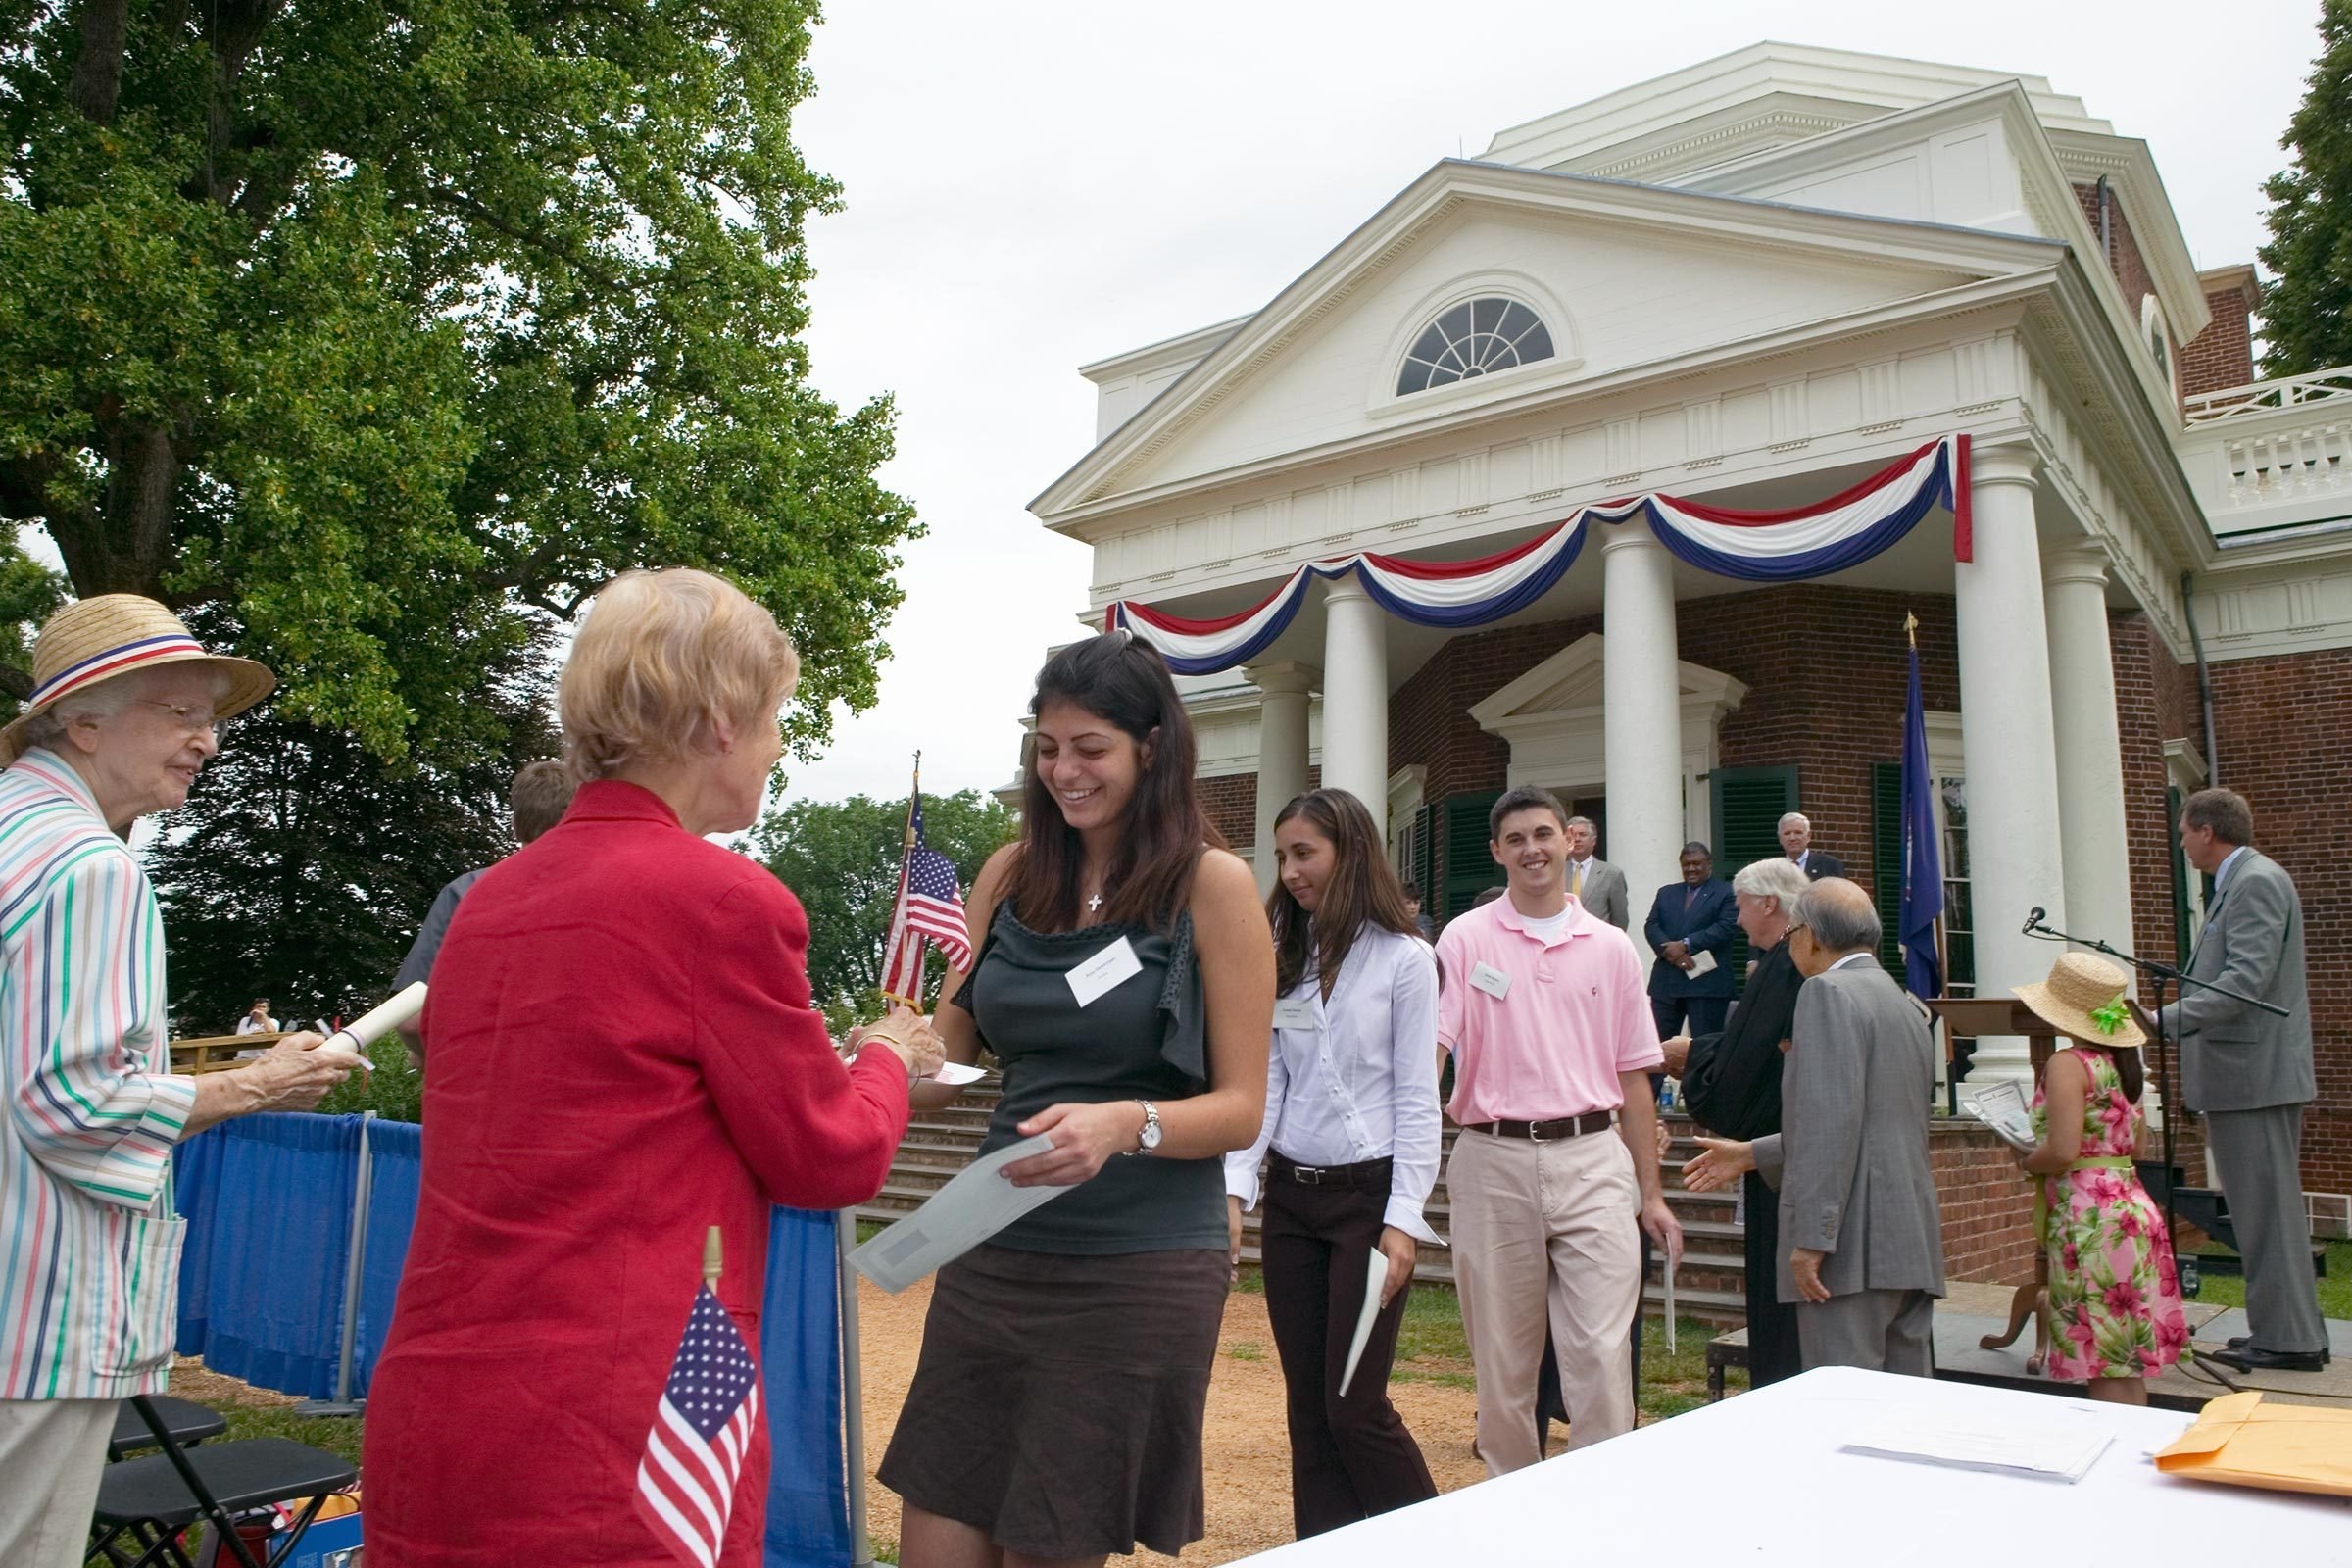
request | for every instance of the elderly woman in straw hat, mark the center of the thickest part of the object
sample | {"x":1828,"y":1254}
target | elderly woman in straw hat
{"x":2114,"y":1293}
{"x":123,"y":717}
{"x":623,"y":1057}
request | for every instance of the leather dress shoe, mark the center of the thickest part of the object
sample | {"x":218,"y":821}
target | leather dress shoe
{"x":2254,"y":1358}
{"x":2238,"y":1342}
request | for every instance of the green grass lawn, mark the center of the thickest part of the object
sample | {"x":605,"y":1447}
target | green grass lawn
{"x":2335,"y":1287}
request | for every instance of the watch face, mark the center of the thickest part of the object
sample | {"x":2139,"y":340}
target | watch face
{"x":1151,"y":1133}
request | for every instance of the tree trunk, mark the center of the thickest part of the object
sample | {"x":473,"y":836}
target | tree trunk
{"x":97,"y":82}
{"x":124,"y":545}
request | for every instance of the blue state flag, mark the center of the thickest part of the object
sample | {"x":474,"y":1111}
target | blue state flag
{"x":1923,"y":866}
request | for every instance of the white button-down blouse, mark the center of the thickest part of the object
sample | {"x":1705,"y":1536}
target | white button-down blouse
{"x":1355,"y":1077}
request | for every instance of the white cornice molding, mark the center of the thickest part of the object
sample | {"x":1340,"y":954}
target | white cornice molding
{"x":1572,"y":393}
{"x":1453,"y":186}
{"x":2131,"y":170}
{"x":1167,"y":351}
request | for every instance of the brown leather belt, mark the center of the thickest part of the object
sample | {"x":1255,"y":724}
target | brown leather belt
{"x":1545,"y":1132}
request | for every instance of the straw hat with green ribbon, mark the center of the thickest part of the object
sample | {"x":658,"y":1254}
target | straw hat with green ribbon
{"x":2084,"y":998}
{"x":94,"y":640}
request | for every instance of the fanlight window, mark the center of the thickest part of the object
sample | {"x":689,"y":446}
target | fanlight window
{"x":1471,"y":339}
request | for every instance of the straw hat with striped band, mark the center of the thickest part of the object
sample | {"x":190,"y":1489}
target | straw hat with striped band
{"x":2084,"y":998}
{"x":94,"y":640}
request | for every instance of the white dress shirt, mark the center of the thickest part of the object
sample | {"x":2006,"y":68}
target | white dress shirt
{"x":1356,"y":1077}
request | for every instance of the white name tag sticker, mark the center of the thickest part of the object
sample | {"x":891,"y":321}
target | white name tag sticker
{"x":1295,"y":1012}
{"x":1493,"y":980}
{"x":1103,"y":971}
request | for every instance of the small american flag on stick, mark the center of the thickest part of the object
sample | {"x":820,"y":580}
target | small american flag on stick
{"x":702,"y":1430}
{"x":930,"y":909}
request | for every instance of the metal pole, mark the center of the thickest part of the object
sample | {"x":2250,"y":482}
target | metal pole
{"x":853,"y":1390}
{"x":343,"y":1404}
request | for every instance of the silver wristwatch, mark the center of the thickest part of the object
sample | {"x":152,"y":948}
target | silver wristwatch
{"x":1148,"y":1139}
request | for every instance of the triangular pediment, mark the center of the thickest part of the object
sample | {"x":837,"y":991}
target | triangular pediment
{"x":1624,"y":277}
{"x":1568,"y":687}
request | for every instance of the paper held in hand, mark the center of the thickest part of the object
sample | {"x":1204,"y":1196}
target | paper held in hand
{"x":402,"y":1008}
{"x":959,"y":1216}
{"x":2001,"y":1107}
{"x":1700,"y":964}
{"x":1366,"y":1317}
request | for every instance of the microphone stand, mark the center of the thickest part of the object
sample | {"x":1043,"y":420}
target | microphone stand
{"x":2161,"y":975}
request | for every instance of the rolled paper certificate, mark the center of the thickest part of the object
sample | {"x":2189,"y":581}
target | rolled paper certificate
{"x":402,"y":1008}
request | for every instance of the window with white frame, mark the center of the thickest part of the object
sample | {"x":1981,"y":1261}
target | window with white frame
{"x":1477,"y":337}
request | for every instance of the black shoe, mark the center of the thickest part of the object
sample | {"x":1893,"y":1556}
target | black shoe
{"x":2238,"y":1342}
{"x":2254,"y":1358}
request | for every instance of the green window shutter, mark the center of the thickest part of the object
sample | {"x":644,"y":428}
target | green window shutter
{"x":2181,"y":874}
{"x":1468,"y":868}
{"x":1421,"y":859}
{"x":1749,"y":805}
{"x":1887,"y":859}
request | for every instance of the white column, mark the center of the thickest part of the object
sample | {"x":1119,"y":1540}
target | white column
{"x":1355,"y":699}
{"x":1283,"y":689}
{"x":2091,"y":826}
{"x":1642,"y":716}
{"x":2007,"y":732}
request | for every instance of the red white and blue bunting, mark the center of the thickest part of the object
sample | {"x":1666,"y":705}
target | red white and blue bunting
{"x":1786,"y":545}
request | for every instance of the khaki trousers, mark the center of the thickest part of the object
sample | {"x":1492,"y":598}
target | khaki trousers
{"x":51,"y":1454}
{"x":1547,"y":1234}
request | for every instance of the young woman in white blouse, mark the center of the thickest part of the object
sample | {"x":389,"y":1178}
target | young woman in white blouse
{"x":1350,"y":1144}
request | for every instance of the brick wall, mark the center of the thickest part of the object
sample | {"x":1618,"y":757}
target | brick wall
{"x":1988,"y":1206}
{"x":2223,"y":355}
{"x":2283,"y":729}
{"x":1231,"y":802}
{"x":2123,"y":259}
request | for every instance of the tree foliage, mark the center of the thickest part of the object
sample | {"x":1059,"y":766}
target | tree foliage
{"x":2307,"y":308}
{"x":378,"y":336}
{"x":841,"y":859}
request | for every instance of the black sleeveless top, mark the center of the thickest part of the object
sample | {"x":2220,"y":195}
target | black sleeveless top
{"x":1146,"y":1037}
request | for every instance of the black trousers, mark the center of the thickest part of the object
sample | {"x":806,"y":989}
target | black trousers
{"x":1350,"y":1457}
{"x":1705,"y":1015}
{"x":1772,"y":1348}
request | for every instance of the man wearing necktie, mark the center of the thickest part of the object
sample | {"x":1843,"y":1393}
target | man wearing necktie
{"x":1592,"y":881}
{"x":2249,"y":1074}
{"x":1690,"y":929}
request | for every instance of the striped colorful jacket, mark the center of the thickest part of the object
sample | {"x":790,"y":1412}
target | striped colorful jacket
{"x":90,"y":1238}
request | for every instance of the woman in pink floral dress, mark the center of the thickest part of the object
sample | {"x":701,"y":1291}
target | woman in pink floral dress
{"x":2114,"y":1291}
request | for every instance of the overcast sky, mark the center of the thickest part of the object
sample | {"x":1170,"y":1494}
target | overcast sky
{"x":1032,"y":187}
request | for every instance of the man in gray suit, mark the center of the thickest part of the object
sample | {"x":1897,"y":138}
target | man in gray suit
{"x":1594,"y":882}
{"x":1857,"y":1210}
{"x":2249,"y":1074}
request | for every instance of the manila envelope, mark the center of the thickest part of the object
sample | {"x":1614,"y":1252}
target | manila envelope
{"x":2241,"y":1441}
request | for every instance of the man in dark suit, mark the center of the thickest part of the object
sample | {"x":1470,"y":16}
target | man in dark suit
{"x":1796,"y":837}
{"x":1690,"y":929}
{"x":2249,"y":1074}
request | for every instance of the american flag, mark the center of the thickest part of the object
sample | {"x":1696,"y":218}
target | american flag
{"x":701,"y":1431}
{"x":930,"y":909}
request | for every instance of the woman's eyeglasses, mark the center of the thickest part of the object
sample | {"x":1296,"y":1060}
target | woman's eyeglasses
{"x":194,"y":720}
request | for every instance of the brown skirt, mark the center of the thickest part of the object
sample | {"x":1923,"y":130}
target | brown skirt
{"x":1059,"y":1400}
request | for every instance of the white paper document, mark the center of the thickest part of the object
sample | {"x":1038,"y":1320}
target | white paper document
{"x":2058,"y":1448}
{"x":970,"y":1209}
{"x":2001,"y":1107}
{"x":956,"y":1072}
{"x":1700,"y":964}
{"x":402,"y":1008}
{"x":1373,"y":1281}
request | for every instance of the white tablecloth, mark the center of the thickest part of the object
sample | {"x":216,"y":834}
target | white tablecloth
{"x":1761,"y":1479}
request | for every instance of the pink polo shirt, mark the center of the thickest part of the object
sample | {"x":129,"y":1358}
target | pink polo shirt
{"x":1573,"y":1014}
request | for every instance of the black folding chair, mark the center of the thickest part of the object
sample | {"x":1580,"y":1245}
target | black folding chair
{"x":188,"y":1422}
{"x":143,"y":1504}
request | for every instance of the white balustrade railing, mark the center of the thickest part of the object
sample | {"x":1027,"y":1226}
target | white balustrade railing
{"x":2265,"y":397}
{"x":2308,"y":459}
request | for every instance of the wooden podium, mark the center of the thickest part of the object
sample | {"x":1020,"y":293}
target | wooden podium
{"x":1995,"y":1015}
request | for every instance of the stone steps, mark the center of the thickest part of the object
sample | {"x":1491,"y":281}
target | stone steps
{"x":940,"y":1142}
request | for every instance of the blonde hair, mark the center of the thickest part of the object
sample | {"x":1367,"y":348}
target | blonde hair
{"x":664,"y":656}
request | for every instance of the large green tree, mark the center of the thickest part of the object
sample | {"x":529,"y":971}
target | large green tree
{"x":378,"y":336}
{"x":2307,"y":308}
{"x":842,"y":858}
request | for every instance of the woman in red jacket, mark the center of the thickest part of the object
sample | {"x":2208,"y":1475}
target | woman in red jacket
{"x":623,"y":1055}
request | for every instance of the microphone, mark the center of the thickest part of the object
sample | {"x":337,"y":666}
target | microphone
{"x":2034,"y":919}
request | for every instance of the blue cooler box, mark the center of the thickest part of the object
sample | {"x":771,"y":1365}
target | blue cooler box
{"x":329,"y":1543}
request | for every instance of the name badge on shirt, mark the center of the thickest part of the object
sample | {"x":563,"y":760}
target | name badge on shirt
{"x":1295,"y":1012}
{"x":1493,"y":980}
{"x":1103,"y":971}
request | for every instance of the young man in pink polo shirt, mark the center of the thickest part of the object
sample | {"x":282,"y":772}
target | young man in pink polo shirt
{"x":1545,"y":1011}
